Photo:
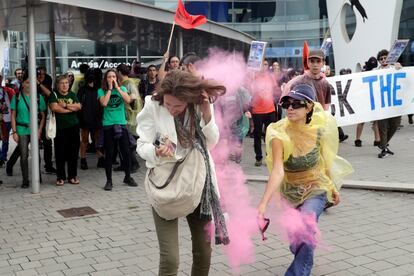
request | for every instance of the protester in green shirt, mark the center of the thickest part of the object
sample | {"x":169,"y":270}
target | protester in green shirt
{"x":20,"y":106}
{"x":65,"y":104}
{"x":113,"y":97}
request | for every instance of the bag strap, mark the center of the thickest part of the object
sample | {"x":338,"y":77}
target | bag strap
{"x":170,"y":177}
{"x":27,"y":105}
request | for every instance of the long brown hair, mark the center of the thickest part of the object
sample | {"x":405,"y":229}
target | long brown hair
{"x":105,"y":82}
{"x":187,"y":88}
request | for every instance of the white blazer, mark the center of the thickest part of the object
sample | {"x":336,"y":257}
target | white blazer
{"x":155,"y":118}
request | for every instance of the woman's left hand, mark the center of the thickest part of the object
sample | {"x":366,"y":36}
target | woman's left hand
{"x":336,"y":197}
{"x":205,"y":107}
{"x":116,"y":85}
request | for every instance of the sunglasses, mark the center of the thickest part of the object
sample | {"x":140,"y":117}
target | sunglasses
{"x":382,"y":58}
{"x":295,"y":104}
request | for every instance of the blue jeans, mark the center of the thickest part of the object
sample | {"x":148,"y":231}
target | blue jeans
{"x":303,"y":261}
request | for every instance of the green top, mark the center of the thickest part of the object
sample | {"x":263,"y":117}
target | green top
{"x":65,"y":120}
{"x":23,"y":114}
{"x":114,"y":111}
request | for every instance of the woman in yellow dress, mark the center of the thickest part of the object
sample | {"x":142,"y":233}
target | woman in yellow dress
{"x":304,"y":167}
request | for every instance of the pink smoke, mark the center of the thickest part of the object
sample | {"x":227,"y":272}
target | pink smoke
{"x":231,"y":70}
{"x":292,"y":226}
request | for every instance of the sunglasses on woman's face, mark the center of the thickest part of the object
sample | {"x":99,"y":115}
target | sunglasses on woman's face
{"x":295,"y":104}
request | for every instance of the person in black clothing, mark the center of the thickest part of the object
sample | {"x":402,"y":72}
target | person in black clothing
{"x":44,"y":87}
{"x":90,"y":116}
{"x":148,"y":85}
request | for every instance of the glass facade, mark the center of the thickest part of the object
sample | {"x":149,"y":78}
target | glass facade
{"x":104,"y":40}
{"x":285,"y":24}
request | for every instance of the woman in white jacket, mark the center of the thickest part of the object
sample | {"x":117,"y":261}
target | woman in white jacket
{"x":176,"y":119}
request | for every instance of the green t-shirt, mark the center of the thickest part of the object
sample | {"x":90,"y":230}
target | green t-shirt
{"x":23,"y":114}
{"x":65,"y":120}
{"x":114,"y":111}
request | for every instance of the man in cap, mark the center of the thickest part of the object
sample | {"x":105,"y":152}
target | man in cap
{"x":314,"y":78}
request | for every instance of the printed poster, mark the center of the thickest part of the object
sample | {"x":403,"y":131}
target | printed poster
{"x":256,"y":55}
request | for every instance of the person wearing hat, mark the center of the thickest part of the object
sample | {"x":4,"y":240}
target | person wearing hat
{"x":315,"y":78}
{"x":301,"y":150}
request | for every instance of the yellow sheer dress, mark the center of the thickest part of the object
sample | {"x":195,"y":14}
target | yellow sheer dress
{"x":310,"y":159}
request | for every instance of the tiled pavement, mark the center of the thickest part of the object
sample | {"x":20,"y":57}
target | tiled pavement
{"x":370,"y":233}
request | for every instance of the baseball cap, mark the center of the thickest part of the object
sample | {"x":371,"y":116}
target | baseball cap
{"x":301,"y":92}
{"x":316,"y":54}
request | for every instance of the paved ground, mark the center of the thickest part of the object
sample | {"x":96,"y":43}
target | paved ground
{"x":370,"y":233}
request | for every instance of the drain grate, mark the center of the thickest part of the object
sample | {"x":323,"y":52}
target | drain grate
{"x":77,"y":212}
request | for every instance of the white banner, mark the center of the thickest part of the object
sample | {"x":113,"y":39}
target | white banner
{"x":372,"y":95}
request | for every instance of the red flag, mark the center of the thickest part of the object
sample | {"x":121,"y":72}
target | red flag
{"x":305,"y":56}
{"x":186,"y":20}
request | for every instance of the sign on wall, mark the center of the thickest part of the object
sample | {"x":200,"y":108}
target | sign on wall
{"x":373,"y":95}
{"x":101,"y":64}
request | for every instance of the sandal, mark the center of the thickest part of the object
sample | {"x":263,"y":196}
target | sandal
{"x":60,"y":182}
{"x":74,"y":181}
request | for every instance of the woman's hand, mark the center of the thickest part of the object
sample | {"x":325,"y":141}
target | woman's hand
{"x":110,"y":86}
{"x":16,"y":137}
{"x":398,"y":66}
{"x":205,"y":107}
{"x":116,"y":85}
{"x":336,"y":197}
{"x":164,"y":151}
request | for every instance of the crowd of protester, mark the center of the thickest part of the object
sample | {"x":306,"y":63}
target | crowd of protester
{"x":117,"y":113}
{"x":106,"y":122}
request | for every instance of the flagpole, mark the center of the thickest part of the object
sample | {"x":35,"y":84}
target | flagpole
{"x":171,"y":34}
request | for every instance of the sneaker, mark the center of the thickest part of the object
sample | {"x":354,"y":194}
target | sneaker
{"x":258,"y":163}
{"x":377,"y":143}
{"x":83,"y":164}
{"x":383,"y":154}
{"x":358,"y":143}
{"x":108,"y":186}
{"x":130,"y":182}
{"x":388,"y":151}
{"x":50,"y":170}
{"x":343,"y":138}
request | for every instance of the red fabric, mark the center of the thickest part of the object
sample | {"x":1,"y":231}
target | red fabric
{"x":305,"y":56}
{"x":186,"y":20}
{"x":10,"y":92}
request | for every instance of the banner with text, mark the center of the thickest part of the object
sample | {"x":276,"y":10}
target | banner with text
{"x":372,"y":95}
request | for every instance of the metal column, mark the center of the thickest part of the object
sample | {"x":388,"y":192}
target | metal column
{"x":180,"y":43}
{"x":52,"y":38}
{"x":34,"y":141}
